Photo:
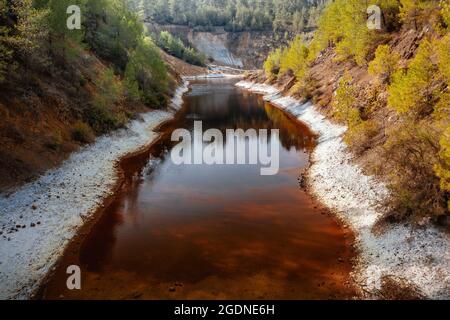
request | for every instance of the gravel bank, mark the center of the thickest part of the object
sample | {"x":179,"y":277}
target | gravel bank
{"x":420,"y":257}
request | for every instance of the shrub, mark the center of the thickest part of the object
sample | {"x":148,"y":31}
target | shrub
{"x":411,"y":91}
{"x":412,"y":11}
{"x":445,"y":11}
{"x":272,"y":63}
{"x":100,"y":118}
{"x":305,"y":88}
{"x":110,"y":88}
{"x":344,"y":102}
{"x":360,"y":137}
{"x":384,"y":63}
{"x":412,"y":154}
{"x":55,"y":141}
{"x":295,"y":58}
{"x":442,"y":47}
{"x":82,"y":133}
{"x":146,"y":75}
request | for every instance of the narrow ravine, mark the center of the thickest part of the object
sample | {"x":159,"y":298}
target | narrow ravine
{"x":213,"y":232}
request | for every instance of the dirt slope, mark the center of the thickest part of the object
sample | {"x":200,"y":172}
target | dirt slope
{"x":37,"y":119}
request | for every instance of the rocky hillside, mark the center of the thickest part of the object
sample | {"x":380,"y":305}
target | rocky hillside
{"x":390,"y":88}
{"x":244,"y":49}
{"x":233,"y":33}
{"x":60,"y":89}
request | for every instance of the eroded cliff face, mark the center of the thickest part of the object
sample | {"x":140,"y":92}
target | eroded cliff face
{"x":246,"y":50}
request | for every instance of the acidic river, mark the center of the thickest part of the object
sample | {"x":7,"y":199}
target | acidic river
{"x":212,"y":231}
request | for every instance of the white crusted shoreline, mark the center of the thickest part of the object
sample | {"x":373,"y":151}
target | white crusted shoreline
{"x":61,"y":200}
{"x":420,"y":257}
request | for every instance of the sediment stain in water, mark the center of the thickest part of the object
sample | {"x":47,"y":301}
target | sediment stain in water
{"x":213,"y":232}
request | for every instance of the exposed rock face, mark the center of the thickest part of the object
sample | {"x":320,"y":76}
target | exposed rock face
{"x":247,"y":49}
{"x":215,"y":46}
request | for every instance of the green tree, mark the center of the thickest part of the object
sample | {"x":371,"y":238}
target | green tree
{"x":295,"y":58}
{"x":384,"y":63}
{"x":272,"y":63}
{"x":61,"y":38}
{"x":344,"y":102}
{"x":112,"y":31}
{"x":174,"y":46}
{"x":410,"y":90}
{"x":445,"y":11}
{"x":343,"y":24}
{"x":31,"y":32}
{"x":411,"y":11}
{"x":146,"y":74}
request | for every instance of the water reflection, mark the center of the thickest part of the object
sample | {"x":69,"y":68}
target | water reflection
{"x":220,"y":231}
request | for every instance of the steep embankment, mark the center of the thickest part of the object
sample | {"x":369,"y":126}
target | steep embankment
{"x":38,"y":121}
{"x":39,"y":112}
{"x":179,"y":68}
{"x":400,"y":262}
{"x":247,"y":49}
{"x":39,"y":219}
{"x":394,"y":100}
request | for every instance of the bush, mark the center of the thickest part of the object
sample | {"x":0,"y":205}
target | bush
{"x":146,"y":75}
{"x":412,"y":154}
{"x":344,"y":102}
{"x":360,"y":137}
{"x":272,"y":63}
{"x":384,"y":63}
{"x":411,"y":91}
{"x":412,"y":12}
{"x":295,"y":58}
{"x":55,"y":141}
{"x":445,"y":11}
{"x":109,"y":87}
{"x":100,"y":118}
{"x":82,"y":133}
{"x":442,"y":47}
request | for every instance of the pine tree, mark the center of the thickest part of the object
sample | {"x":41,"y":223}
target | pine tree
{"x":60,"y":36}
{"x":344,"y":102}
{"x":295,"y":58}
{"x":272,"y":63}
{"x":384,"y":63}
{"x":410,"y":91}
{"x":31,"y":31}
{"x":411,"y":11}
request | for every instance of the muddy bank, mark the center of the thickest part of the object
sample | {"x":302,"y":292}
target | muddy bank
{"x":418,"y":259}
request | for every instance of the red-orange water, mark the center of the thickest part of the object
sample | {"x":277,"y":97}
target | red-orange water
{"x":213,"y":232}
